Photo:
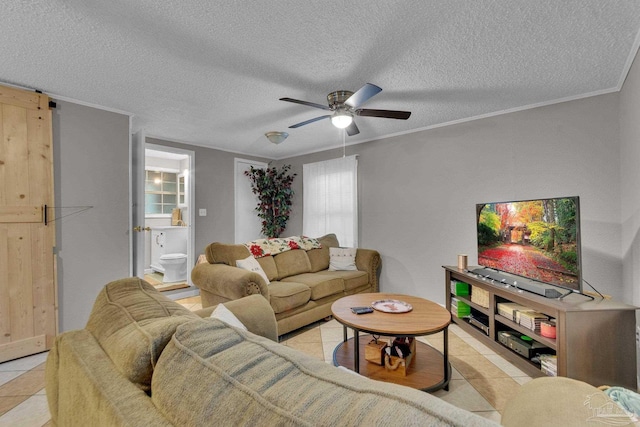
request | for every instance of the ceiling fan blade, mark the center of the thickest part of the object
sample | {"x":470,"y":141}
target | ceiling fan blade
{"x":362,"y":95}
{"x":306,"y":122}
{"x":307,"y":103}
{"x":352,"y":129}
{"x":388,"y":114}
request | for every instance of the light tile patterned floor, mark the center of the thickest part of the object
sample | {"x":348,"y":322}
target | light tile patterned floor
{"x":481,"y":381}
{"x":22,"y":398}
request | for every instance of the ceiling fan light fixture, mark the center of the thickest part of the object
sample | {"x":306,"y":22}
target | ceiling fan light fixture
{"x":276,"y":137}
{"x":341,"y":120}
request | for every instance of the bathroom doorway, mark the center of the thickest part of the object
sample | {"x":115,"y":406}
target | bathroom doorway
{"x":167,"y":255}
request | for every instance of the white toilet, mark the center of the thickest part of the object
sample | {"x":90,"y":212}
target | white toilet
{"x":169,"y":252}
{"x":175,"y":267}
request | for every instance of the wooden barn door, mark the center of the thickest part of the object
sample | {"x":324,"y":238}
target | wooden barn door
{"x":28,"y":296}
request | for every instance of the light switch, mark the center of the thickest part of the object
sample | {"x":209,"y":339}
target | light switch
{"x":202,"y":212}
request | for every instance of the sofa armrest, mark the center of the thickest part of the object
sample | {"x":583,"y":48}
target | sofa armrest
{"x":84,"y":388}
{"x":562,"y":401}
{"x":370,"y":261}
{"x":254,"y":312}
{"x":223,"y":283}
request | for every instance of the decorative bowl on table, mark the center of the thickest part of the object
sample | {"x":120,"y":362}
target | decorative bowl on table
{"x":391,"y":306}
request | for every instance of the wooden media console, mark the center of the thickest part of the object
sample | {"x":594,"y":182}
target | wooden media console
{"x":595,"y":339}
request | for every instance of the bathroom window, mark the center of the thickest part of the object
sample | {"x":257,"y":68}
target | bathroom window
{"x":161,"y":192}
{"x":181,"y":190}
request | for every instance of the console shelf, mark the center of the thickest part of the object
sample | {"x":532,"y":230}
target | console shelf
{"x":472,"y":304}
{"x":551,"y":343}
{"x":595,"y":339}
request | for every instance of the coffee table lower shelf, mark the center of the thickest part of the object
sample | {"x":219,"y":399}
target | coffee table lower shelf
{"x":426,"y":372}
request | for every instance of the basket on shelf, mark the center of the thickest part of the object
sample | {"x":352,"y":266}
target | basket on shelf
{"x":480,"y":296}
{"x":395,"y":363}
{"x":374,"y":351}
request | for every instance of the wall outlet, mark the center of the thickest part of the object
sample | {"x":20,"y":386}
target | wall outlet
{"x":202,"y":212}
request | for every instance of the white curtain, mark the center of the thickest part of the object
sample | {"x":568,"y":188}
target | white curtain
{"x":330,"y":199}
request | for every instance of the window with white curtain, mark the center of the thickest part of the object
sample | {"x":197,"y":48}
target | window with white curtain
{"x":330,"y":199}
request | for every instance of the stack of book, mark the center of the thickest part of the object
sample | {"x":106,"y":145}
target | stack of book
{"x":531,"y":320}
{"x":459,"y":308}
{"x":549,"y":364}
{"x":459,"y":288}
{"x":510,"y":310}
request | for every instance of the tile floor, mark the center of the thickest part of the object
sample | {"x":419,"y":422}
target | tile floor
{"x":482,"y":381}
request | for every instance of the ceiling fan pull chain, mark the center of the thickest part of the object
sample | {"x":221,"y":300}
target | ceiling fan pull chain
{"x":344,"y":148}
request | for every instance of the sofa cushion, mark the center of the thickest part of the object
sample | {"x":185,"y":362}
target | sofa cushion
{"x":319,"y":258}
{"x":224,"y":253}
{"x":287,"y":295}
{"x":291,"y":263}
{"x":352,"y":279}
{"x":133,"y":322}
{"x":237,"y":378}
{"x":321,"y":286}
{"x":269,"y":267}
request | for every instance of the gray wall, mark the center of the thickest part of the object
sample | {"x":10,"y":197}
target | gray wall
{"x":630,"y":178}
{"x":91,"y":167}
{"x":418,"y":191}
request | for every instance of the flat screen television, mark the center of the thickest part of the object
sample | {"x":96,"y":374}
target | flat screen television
{"x":535,"y":239}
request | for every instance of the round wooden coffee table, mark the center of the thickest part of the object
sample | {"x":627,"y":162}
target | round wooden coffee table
{"x":430,"y":370}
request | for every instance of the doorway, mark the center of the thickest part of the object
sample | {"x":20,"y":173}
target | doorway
{"x":164,"y":253}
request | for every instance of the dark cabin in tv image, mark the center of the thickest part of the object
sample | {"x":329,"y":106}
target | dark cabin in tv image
{"x":535,"y":239}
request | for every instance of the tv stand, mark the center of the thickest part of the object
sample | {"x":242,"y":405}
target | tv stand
{"x":595,"y":339}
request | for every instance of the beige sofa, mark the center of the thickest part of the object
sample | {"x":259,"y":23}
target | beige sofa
{"x":144,"y":360}
{"x":301,"y":288}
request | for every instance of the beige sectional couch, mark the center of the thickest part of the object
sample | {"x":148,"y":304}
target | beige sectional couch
{"x":301,"y":288}
{"x":144,"y":360}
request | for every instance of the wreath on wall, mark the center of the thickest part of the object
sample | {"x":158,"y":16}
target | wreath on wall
{"x":273,"y":187}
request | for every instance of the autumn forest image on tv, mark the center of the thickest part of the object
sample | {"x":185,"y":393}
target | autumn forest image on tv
{"x":537,"y":239}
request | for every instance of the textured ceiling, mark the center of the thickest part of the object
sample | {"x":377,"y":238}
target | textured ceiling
{"x":210,"y":73}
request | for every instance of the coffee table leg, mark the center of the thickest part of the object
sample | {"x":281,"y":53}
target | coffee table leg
{"x":356,"y":347}
{"x":446,"y":357}
{"x":344,"y":332}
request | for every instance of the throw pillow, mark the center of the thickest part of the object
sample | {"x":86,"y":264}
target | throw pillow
{"x":342,"y":259}
{"x":225,"y":315}
{"x":251,"y":264}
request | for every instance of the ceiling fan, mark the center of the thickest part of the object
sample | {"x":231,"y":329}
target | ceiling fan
{"x":344,"y":105}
